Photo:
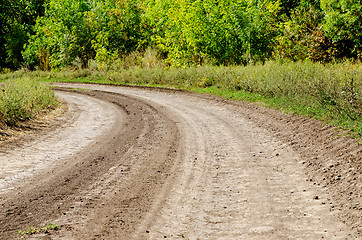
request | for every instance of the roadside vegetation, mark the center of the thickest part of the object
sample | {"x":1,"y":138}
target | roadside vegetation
{"x":300,"y":56}
{"x":54,"y":34}
{"x":23,"y":99}
{"x":328,"y":92}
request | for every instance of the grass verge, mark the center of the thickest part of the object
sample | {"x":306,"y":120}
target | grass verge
{"x":331,"y":93}
{"x":23,"y":98}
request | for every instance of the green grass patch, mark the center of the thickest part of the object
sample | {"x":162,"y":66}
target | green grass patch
{"x":331,"y":92}
{"x":23,"y":98}
{"x":304,"y":106}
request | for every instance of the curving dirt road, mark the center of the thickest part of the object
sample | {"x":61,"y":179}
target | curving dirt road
{"x":139,"y":163}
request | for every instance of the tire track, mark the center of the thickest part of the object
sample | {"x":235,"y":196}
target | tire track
{"x":179,"y":166}
{"x":243,"y":184}
{"x":90,"y":185}
{"x":283,"y":204}
{"x":88,"y":119}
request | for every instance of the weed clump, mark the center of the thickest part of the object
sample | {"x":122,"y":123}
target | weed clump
{"x":32,"y":230}
{"x":23,"y":99}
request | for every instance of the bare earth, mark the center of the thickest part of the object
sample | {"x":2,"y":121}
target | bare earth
{"x":140,"y":163}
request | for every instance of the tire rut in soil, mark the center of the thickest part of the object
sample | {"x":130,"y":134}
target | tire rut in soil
{"x":55,"y":193}
{"x":121,"y":197}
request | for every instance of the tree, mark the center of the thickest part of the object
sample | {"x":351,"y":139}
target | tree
{"x":302,"y":36}
{"x":343,"y":24}
{"x":16,"y":20}
{"x":83,"y":30}
{"x":214,"y":31}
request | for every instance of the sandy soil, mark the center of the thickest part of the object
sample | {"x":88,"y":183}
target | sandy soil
{"x":139,"y":163}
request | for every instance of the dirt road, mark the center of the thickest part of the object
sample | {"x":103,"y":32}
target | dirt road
{"x":139,"y":163}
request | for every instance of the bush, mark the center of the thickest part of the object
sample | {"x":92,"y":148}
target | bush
{"x":23,"y":99}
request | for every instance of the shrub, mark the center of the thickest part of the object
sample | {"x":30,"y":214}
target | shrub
{"x":23,"y":99}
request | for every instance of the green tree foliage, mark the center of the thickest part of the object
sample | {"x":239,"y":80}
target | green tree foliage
{"x":81,"y":30}
{"x":59,"y":33}
{"x":220,"y":32}
{"x":16,"y":20}
{"x":343,"y":24}
{"x":119,"y":28}
{"x":302,"y":36}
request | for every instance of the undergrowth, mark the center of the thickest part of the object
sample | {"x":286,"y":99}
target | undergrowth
{"x":331,"y":92}
{"x":23,"y":98}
